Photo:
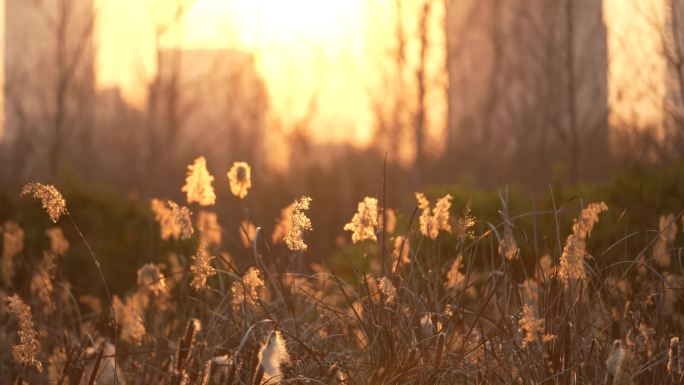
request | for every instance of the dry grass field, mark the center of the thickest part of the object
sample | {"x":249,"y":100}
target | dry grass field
{"x":442,"y":297}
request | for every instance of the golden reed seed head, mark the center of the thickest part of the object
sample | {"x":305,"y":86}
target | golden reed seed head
{"x":209,"y":228}
{"x":42,"y":282}
{"x":51,"y":199}
{"x":365,"y":222}
{"x":164,"y":216}
{"x":182,"y":219}
{"x":455,"y":277}
{"x":246,"y":290}
{"x":151,"y":278}
{"x":508,"y":247}
{"x":201,"y":268}
{"x":240,"y":179}
{"x":425,"y":216}
{"x":56,"y":361}
{"x":574,"y":251}
{"x":530,"y":325}
{"x":440,"y":214}
{"x":588,"y":218}
{"x":300,"y":223}
{"x":12,"y":244}
{"x":432,"y":221}
{"x":198,"y":181}
{"x":174,"y":220}
{"x":25,"y":352}
{"x":389,"y":292}
{"x":59,"y":245}
{"x":465,"y":223}
{"x":572,"y":260}
{"x":284,"y":224}
{"x":129,"y":316}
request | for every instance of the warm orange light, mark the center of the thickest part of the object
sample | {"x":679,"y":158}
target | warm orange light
{"x":329,"y":58}
{"x":637,"y":68}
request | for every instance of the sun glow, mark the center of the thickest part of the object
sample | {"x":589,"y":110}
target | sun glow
{"x":325,"y":63}
{"x":265,"y":23}
{"x":637,"y":69}
{"x":312,"y":54}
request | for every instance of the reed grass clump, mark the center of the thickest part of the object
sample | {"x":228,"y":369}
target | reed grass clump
{"x":430,"y":295}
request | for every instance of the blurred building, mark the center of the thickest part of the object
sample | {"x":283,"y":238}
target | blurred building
{"x":120,"y":130}
{"x":48,"y":81}
{"x":527,"y":88}
{"x":209,"y":102}
{"x":672,"y":32}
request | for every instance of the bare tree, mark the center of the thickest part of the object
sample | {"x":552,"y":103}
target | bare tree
{"x":529,"y":89}
{"x":68,"y":59}
{"x":401,"y":103}
{"x":672,"y":39}
{"x":163,"y":113}
{"x":390,"y":105}
{"x":419,"y":125}
{"x":571,"y":96}
{"x":50,"y":77}
{"x":649,"y":123}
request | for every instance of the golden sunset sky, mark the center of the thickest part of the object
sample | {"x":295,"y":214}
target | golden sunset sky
{"x":330,"y":50}
{"x":336,"y":51}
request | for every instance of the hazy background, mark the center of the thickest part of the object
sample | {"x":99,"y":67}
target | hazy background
{"x":474,"y":82}
{"x":111,"y":99}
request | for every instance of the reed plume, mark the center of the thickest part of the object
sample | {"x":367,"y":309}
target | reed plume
{"x":12,"y":244}
{"x":240,"y":179}
{"x":151,"y":279}
{"x":198,"y":181}
{"x":300,"y":223}
{"x":51,"y":199}
{"x":201,"y":268}
{"x":209,"y":228}
{"x":432,"y":221}
{"x":24,"y":353}
{"x":246,"y":290}
{"x":574,"y":251}
{"x":365,"y":221}
{"x":59,"y":245}
{"x":42,"y":282}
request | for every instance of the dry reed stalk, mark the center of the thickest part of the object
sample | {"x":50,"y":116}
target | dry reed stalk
{"x":439,"y":351}
{"x":185,"y":345}
{"x":96,"y":367}
{"x":75,"y":377}
{"x":258,"y":376}
{"x":231,"y":374}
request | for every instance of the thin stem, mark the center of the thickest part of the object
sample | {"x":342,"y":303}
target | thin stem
{"x":92,"y":254}
{"x":104,"y":282}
